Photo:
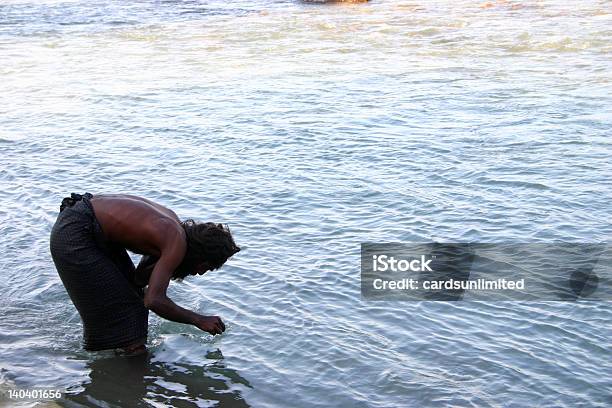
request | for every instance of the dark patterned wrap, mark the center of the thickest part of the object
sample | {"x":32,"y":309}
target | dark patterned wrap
{"x":99,"y":278}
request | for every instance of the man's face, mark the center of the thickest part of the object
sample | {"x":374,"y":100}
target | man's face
{"x":202,"y":268}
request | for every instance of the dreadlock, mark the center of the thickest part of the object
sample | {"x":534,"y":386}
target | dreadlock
{"x":206,"y":242}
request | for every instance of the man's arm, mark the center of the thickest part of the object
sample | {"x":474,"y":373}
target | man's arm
{"x":144,"y":269}
{"x":172,"y":252}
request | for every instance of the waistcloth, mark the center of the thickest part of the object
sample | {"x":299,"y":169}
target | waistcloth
{"x":99,"y":278}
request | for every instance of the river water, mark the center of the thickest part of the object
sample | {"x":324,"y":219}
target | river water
{"x":310,"y":128}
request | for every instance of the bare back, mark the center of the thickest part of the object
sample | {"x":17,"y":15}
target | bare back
{"x":136,"y":223}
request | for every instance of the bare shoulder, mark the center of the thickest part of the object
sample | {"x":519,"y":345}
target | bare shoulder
{"x":168,"y":227}
{"x":160,"y":207}
{"x":127,"y":201}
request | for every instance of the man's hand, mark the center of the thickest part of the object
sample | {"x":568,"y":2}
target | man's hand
{"x":167,"y":309}
{"x":211,"y":324}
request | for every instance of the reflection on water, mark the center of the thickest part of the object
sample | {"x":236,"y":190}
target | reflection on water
{"x":147,"y":380}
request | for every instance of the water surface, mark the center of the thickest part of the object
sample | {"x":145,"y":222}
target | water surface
{"x":309,"y":129}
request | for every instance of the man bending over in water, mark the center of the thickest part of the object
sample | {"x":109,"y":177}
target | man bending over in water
{"x":88,"y":246}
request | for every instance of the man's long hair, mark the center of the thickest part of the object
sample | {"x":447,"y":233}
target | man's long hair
{"x":206,"y":242}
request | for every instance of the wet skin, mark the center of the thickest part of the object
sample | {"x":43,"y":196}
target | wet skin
{"x":147,"y":228}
